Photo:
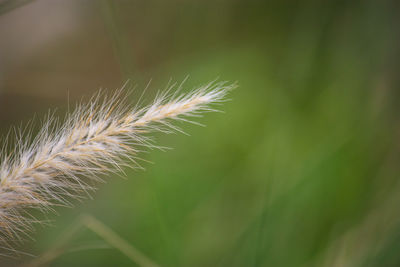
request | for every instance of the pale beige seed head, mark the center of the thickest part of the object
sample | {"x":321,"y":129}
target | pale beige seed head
{"x":96,"y":138}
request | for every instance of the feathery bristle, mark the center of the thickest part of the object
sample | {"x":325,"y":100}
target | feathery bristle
{"x":97,"y":137}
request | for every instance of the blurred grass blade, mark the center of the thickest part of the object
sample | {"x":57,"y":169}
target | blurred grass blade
{"x":7,"y":6}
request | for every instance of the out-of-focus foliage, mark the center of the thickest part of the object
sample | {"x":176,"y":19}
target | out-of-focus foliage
{"x":302,"y":168}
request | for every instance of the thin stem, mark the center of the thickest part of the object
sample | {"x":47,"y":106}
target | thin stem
{"x":96,"y":226}
{"x":116,"y":241}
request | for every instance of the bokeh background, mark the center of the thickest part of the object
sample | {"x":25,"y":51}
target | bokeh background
{"x":302,"y":169}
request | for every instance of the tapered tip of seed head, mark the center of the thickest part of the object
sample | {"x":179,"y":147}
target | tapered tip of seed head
{"x":216,"y":91}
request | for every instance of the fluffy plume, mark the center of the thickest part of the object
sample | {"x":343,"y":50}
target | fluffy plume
{"x":97,"y":137}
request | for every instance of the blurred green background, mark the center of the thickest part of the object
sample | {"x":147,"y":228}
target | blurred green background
{"x":302,"y":169}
